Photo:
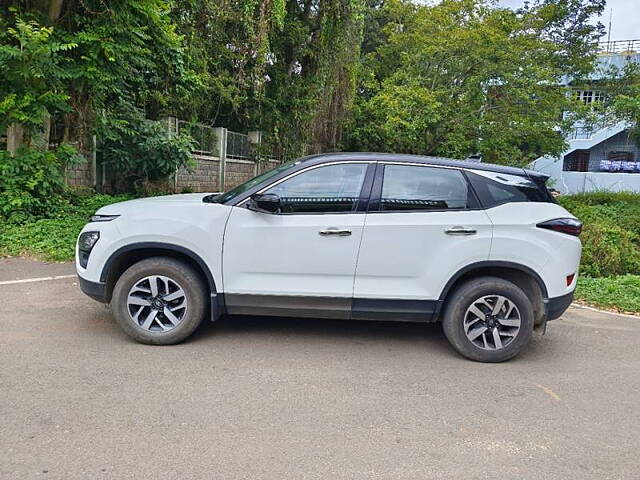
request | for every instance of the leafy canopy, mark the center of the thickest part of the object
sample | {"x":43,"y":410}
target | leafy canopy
{"x":464,"y":77}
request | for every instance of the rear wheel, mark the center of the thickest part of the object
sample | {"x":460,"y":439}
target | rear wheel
{"x":488,"y":319}
{"x":159,"y":301}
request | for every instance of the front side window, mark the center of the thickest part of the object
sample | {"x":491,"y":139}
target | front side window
{"x":408,"y":187}
{"x":331,"y":188}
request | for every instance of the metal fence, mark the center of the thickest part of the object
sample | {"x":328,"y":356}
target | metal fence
{"x":210,"y":141}
{"x":620,"y":46}
{"x":238,"y":145}
{"x":581,"y":133}
{"x":205,"y":137}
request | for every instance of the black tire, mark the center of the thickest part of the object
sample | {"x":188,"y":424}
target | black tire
{"x":195,"y":293}
{"x":464,"y":297}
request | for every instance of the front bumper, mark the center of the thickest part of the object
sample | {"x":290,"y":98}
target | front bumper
{"x":95,"y":290}
{"x":556,"y":306}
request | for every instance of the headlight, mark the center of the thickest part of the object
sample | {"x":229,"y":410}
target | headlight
{"x":86,"y":242}
{"x":103,"y":218}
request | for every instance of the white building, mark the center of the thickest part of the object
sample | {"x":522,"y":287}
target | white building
{"x":603,"y":157}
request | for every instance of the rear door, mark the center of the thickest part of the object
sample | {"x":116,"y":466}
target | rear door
{"x":301,"y":261}
{"x":423,"y":225}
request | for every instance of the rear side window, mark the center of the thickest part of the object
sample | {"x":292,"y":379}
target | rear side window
{"x":495,"y":188}
{"x":408,"y":187}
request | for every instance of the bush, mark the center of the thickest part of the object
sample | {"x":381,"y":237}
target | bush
{"x":53,"y":238}
{"x":32,"y":182}
{"x":611,"y":234}
{"x":143,"y":153}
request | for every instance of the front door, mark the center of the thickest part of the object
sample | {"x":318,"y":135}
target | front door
{"x":302,"y":261}
{"x":423,"y":226}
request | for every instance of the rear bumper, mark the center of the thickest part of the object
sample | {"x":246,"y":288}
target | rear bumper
{"x":97,"y":291}
{"x":556,"y":306}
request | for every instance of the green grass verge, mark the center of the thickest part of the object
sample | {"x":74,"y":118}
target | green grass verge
{"x":53,"y":239}
{"x":621,"y":293}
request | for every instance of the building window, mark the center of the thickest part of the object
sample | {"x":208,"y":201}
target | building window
{"x":576,"y":161}
{"x":589,"y":96}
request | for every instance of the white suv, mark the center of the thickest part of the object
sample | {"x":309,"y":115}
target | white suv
{"x":483,"y":248}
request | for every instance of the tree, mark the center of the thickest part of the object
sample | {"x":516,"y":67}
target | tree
{"x":90,"y":60}
{"x":463,"y":77}
{"x":620,"y":87}
{"x":284,"y":67}
{"x":32,"y":84}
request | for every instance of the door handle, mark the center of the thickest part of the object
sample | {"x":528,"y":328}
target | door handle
{"x":334,"y":231}
{"x":460,"y":231}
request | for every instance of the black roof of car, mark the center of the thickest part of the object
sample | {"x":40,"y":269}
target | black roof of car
{"x":427,"y":160}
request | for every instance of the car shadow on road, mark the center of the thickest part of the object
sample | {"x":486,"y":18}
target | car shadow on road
{"x":317,"y":330}
{"x":428,"y":336}
{"x":423,"y":336}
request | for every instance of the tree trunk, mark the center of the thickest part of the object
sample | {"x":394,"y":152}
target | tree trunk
{"x":15,"y":137}
{"x":40,"y":141}
{"x":55,"y":9}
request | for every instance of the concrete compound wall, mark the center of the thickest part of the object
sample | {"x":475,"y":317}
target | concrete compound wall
{"x":202,"y":177}
{"x":80,"y":175}
{"x":237,"y":172}
{"x":578,"y":182}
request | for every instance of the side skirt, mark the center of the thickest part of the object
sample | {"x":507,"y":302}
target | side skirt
{"x":330,"y":307}
{"x":395,"y":310}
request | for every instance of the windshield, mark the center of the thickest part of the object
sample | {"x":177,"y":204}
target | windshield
{"x":243,"y":187}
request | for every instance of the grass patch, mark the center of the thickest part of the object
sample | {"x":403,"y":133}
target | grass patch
{"x":621,"y":293}
{"x":53,"y":238}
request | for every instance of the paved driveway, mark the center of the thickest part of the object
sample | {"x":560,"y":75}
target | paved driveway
{"x":256,"y":398}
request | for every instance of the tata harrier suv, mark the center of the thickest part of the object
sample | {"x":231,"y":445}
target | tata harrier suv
{"x":484,"y":249}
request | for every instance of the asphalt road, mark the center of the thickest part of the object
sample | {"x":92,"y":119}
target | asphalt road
{"x":264,"y":398}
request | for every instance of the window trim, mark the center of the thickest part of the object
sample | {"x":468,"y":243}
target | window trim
{"x":376,"y":192}
{"x":363,"y":197}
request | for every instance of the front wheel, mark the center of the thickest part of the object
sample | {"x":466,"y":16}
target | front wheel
{"x":488,"y":319}
{"x":159,"y":301}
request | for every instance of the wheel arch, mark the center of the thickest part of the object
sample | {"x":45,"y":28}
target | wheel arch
{"x":126,"y":256}
{"x":523,"y":276}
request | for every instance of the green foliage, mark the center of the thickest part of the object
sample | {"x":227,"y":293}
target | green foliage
{"x":472,"y":78}
{"x":286,"y":67}
{"x":611,"y":233}
{"x":53,"y":238}
{"x":144,"y":150}
{"x":32,"y":182}
{"x":620,"y":293}
{"x":32,"y":68}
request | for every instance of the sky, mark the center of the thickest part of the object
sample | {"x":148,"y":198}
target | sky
{"x":625,"y":24}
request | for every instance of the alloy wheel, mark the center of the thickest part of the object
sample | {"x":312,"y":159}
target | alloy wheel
{"x":157,"y":303}
{"x":492,"y":322}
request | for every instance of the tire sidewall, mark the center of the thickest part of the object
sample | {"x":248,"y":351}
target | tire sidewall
{"x":184,"y":275}
{"x":463,"y":297}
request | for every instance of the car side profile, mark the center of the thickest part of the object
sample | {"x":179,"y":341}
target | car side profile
{"x":484,"y":249}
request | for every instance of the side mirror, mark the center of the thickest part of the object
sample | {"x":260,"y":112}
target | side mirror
{"x":265,"y":203}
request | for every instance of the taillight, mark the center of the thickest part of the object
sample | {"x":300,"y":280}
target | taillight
{"x":570,"y":226}
{"x":570,"y":279}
